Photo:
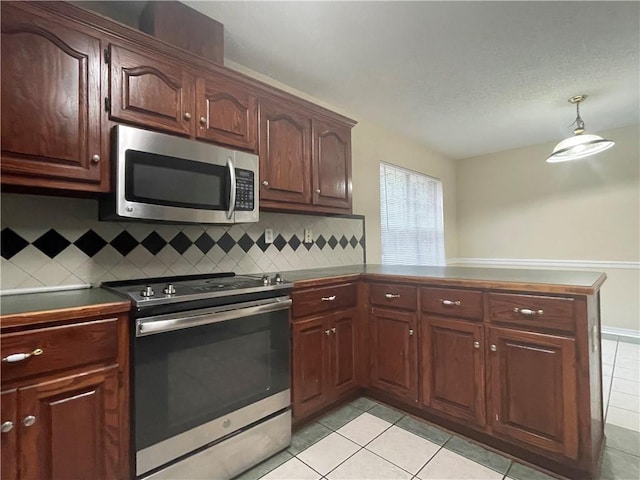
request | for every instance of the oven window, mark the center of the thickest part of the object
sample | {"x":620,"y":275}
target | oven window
{"x":189,"y":377}
{"x":176,"y":182}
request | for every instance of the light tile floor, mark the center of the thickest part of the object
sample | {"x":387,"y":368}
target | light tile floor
{"x":365,"y":440}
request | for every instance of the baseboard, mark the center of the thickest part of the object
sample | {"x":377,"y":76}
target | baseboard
{"x":622,"y":334}
{"x":535,"y":262}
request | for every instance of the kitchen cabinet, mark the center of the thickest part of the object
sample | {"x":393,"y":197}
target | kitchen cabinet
{"x":331,"y":165}
{"x":324,"y":347}
{"x":393,"y":321}
{"x":532,"y":389}
{"x":51,"y":102}
{"x":65,"y":397}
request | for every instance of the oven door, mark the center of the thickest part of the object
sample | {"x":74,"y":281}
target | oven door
{"x":203,"y":375}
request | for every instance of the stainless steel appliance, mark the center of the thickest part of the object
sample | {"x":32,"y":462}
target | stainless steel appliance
{"x":163,"y":177}
{"x":211,"y":373}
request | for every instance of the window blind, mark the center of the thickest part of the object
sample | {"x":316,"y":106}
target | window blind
{"x":411,"y":217}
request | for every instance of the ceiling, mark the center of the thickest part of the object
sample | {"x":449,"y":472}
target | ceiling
{"x":463,"y":78}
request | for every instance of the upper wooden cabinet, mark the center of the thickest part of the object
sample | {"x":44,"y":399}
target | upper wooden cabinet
{"x":51,"y":103}
{"x":331,"y":165}
{"x":150,"y":91}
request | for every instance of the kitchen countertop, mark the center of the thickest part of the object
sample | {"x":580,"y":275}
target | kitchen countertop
{"x":33,"y":308}
{"x":543,"y":281}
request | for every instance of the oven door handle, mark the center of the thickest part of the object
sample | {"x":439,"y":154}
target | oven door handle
{"x":152,"y":327}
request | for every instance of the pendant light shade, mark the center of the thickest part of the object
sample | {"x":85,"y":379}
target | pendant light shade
{"x":580,"y":145}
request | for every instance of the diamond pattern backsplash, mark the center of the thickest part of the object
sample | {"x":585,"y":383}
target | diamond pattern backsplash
{"x":52,"y":241}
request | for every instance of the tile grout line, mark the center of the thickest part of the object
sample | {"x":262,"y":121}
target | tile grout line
{"x":615,"y":357}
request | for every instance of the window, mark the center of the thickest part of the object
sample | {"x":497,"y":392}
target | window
{"x":411,"y":217}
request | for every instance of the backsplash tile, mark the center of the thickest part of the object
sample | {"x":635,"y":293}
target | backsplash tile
{"x":52,"y":241}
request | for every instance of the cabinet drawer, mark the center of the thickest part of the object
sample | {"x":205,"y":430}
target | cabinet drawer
{"x":532,"y":311}
{"x":394,"y":296}
{"x":451,"y":301}
{"x":318,"y":300}
{"x":63,"y":347}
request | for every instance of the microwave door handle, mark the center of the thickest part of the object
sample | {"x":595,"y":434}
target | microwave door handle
{"x":232,"y":190}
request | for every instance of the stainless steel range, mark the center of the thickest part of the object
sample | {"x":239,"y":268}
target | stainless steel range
{"x":210,"y":368}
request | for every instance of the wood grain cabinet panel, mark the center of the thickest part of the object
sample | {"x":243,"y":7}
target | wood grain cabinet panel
{"x":343,"y":354}
{"x":532,"y":381}
{"x":394,"y":296}
{"x":394,"y":361}
{"x":532,"y":311}
{"x":227,"y":113}
{"x":331,"y":165}
{"x":453,"y":368}
{"x":454,"y":302}
{"x":51,"y":117}
{"x":314,"y":301}
{"x":151,"y":91}
{"x":285,"y":154}
{"x":9,"y":435}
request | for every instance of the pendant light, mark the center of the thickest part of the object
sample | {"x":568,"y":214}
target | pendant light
{"x":580,"y":145}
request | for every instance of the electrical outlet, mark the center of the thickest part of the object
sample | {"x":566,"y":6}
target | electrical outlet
{"x":308,"y":235}
{"x":268,"y":235}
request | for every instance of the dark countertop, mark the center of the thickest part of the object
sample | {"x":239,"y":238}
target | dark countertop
{"x":31,"y":308}
{"x":543,"y":281}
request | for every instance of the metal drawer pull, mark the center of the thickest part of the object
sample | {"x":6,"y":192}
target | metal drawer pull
{"x":19,"y":357}
{"x":6,"y":427}
{"x":391,"y":296}
{"x":328,"y":299}
{"x":28,"y":420}
{"x":493,"y":348}
{"x":411,"y":332}
{"x":476,"y":344}
{"x":327,"y":332}
{"x":528,"y":312}
{"x":450,"y":303}
{"x":333,"y":330}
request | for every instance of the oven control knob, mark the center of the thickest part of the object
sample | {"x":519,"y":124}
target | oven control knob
{"x":147,"y":292}
{"x":266,"y":280}
{"x":278,"y":278}
{"x":169,"y":289}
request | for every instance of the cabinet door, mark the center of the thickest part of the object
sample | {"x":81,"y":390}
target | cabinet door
{"x":343,"y":354}
{"x":331,"y":165}
{"x":227,"y":113}
{"x":70,"y":427}
{"x":533,"y":389}
{"x":50,"y":103}
{"x":151,"y":91}
{"x":9,"y":435}
{"x":394,"y":363}
{"x":285,"y":154}
{"x":310,"y":365}
{"x":453,"y":368}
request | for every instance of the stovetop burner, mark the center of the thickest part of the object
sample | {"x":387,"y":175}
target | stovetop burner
{"x":186,"y":288}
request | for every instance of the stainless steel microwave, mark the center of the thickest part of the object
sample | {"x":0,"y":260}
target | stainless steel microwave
{"x":160,"y":177}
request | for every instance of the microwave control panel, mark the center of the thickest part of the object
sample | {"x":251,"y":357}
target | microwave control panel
{"x":245,"y":185}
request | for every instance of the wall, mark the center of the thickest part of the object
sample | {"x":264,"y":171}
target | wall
{"x":514,"y":207}
{"x":52,"y":241}
{"x":372,"y":144}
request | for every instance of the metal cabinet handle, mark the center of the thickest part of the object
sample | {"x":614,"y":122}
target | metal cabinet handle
{"x":333,"y":330}
{"x":391,"y":296}
{"x":411,"y":332}
{"x":28,"y":420}
{"x":6,"y":427}
{"x":265,"y":183}
{"x":476,"y":344}
{"x":95,"y":158}
{"x":450,"y":303}
{"x":203,"y":120}
{"x":527,"y":312}
{"x":18,"y":357}
{"x":317,"y":190}
{"x":327,"y":332}
{"x":493,"y":348}
{"x":328,"y":299}
{"x":187,"y":116}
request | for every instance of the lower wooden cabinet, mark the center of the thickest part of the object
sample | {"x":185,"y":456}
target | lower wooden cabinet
{"x":532,"y":389}
{"x":64,"y":406}
{"x":324,"y":361}
{"x":452,"y":364}
{"x":394,"y":353}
